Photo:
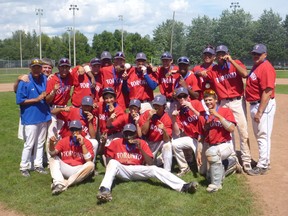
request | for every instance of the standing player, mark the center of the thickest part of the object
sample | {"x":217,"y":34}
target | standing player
{"x":71,"y":159}
{"x":260,"y":93}
{"x":226,"y":77}
{"x":157,"y":128}
{"x":129,"y":158}
{"x":95,"y":65}
{"x":35,"y":115}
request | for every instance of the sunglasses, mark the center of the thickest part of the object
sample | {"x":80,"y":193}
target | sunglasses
{"x":182,"y":96}
{"x":210,"y":92}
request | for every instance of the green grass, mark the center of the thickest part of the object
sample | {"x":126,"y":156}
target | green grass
{"x":32,"y":196}
{"x":281,"y":73}
{"x":281,"y":89}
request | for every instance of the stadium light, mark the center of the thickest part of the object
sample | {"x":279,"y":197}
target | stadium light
{"x":74,"y":8}
{"x":39,"y":13}
{"x":234,"y":5}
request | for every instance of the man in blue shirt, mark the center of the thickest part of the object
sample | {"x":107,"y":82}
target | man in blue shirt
{"x":35,"y":115}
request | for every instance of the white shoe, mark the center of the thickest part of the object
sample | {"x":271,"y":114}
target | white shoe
{"x":213,"y":188}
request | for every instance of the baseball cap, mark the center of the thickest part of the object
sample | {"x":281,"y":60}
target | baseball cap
{"x":222,"y":48}
{"x":166,"y":55}
{"x":36,"y":62}
{"x":183,"y":60}
{"x":141,"y":56}
{"x":75,"y":124}
{"x":181,"y":90}
{"x":106,"y":55}
{"x":108,"y":90}
{"x":159,"y":100}
{"x":135,"y":102}
{"x":63,"y":62}
{"x":47,"y":61}
{"x":129,"y":127}
{"x":209,"y":50}
{"x":119,"y":55}
{"x":87,"y":100}
{"x":259,"y":48}
{"x":95,"y":61}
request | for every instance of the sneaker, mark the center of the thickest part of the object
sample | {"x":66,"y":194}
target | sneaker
{"x":189,"y":187}
{"x":247,"y":167}
{"x":41,"y":170}
{"x":57,"y":189}
{"x":183,"y":172}
{"x":257,"y":171}
{"x":104,"y":195}
{"x":213,"y":188}
{"x":25,"y":173}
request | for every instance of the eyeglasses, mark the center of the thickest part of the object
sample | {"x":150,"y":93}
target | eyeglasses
{"x":182,"y":96}
{"x":210,"y":92}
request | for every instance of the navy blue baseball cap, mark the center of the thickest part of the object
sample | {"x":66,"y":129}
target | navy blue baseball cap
{"x":129,"y":127}
{"x":119,"y":55}
{"x":259,"y":48}
{"x":106,"y":55}
{"x":159,"y":100}
{"x":108,"y":90}
{"x":87,"y":100}
{"x":209,"y":50}
{"x":166,"y":55}
{"x":183,"y":60}
{"x":135,"y":102}
{"x":64,"y":62}
{"x":181,"y":90}
{"x":75,"y":124}
{"x":141,"y":56}
{"x":222,"y":48}
{"x":95,"y":61}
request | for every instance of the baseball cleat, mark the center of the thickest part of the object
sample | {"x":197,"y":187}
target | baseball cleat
{"x":257,"y":171}
{"x":25,"y":173}
{"x":213,"y":188}
{"x":41,"y":170}
{"x":190,"y":187}
{"x":104,"y":195}
{"x":57,"y":189}
{"x":183,"y":172}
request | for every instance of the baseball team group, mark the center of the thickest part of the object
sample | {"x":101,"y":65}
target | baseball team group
{"x":137,"y":118}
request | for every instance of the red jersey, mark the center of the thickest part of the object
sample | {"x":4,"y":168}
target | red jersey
{"x":103,"y":114}
{"x":190,"y":80}
{"x":138,"y":86}
{"x":107,"y":78}
{"x":82,"y":87}
{"x":261,"y":77}
{"x":227,"y":82}
{"x":217,"y":133}
{"x":72,"y":154}
{"x":74,"y":114}
{"x":155,"y":134}
{"x":127,"y":154}
{"x":62,"y":95}
{"x":188,"y":121}
{"x":167,"y":83}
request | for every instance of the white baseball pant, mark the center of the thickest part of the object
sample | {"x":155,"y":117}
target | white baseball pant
{"x":67,"y":175}
{"x":34,"y":136}
{"x":263,"y":131}
{"x":139,"y":172}
{"x":179,"y":145}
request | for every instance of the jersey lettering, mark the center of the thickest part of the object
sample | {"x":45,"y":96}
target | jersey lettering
{"x":126,"y":155}
{"x":168,"y":80}
{"x":138,"y":82}
{"x":253,"y":76}
{"x":155,"y":128}
{"x":84,"y":85}
{"x":226,"y":76}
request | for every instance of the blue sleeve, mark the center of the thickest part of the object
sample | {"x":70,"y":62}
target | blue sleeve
{"x":125,"y":88}
{"x":21,"y":94}
{"x":152,"y":84}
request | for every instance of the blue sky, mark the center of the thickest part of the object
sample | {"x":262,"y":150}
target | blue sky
{"x":95,"y":16}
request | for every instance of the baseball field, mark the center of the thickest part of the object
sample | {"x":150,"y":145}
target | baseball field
{"x":241,"y":194}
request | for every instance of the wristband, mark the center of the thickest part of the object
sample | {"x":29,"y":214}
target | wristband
{"x":87,"y":156}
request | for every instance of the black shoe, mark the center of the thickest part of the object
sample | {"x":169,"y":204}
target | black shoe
{"x":104,"y":194}
{"x":25,"y":173}
{"x":190,"y":187}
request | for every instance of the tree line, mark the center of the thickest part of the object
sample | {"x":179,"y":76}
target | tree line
{"x":236,"y":29}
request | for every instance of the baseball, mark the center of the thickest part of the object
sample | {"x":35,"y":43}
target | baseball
{"x":127,"y":66}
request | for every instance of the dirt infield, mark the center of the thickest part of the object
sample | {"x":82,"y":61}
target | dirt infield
{"x":271,"y":189}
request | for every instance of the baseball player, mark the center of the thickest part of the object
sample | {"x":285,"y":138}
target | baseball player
{"x":134,"y":115}
{"x":185,"y":119}
{"x":71,"y":159}
{"x":35,"y":115}
{"x":157,"y":128}
{"x":226,"y":77}
{"x":47,"y":66}
{"x":260,"y":93}
{"x":130,"y":158}
{"x":141,"y":82}
{"x":217,"y":129}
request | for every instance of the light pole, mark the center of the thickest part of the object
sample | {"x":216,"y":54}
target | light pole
{"x":121,"y":19}
{"x":73,"y":8}
{"x":234,"y":5}
{"x":20,"y":35}
{"x":69,"y":29}
{"x":172,"y":33}
{"x":39,"y":13}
